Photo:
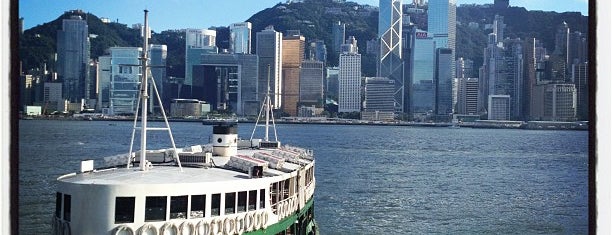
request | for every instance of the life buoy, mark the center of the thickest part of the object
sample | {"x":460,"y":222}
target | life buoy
{"x":148,"y":229}
{"x":187,"y":228}
{"x":240,"y":222}
{"x":279,"y":209}
{"x":169,"y":228}
{"x":203,"y":228}
{"x":216,"y":226}
{"x":229,"y":225}
{"x":57,"y":226}
{"x":249,"y":221}
{"x":256,"y":220}
{"x":287,"y":208}
{"x":124,"y":229}
{"x":66,"y":228}
{"x":264,"y":219}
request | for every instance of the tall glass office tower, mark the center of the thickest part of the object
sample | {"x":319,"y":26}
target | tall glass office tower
{"x":442,"y":23}
{"x":269,"y":48}
{"x":73,"y":57}
{"x":125,"y":79}
{"x":390,"y":31}
{"x":240,"y":38}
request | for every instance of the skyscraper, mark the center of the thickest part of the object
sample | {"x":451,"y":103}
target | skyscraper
{"x":293,"y":54}
{"x":390,"y":34}
{"x":311,"y":83}
{"x":421,"y":77}
{"x":379,"y":95}
{"x":580,"y":74}
{"x":349,"y":77}
{"x":443,"y":82}
{"x":318,"y":51}
{"x":158,"y":55}
{"x":560,"y":56}
{"x":103,"y":79}
{"x":442,"y":23}
{"x":269,"y":49}
{"x":73,"y":56}
{"x":240,"y":38}
{"x":338,"y":35}
{"x":467,"y":97}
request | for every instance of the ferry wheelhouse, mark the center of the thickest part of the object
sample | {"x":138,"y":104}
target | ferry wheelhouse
{"x":229,"y":186}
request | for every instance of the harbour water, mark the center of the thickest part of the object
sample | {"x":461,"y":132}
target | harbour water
{"x":370,"y":179}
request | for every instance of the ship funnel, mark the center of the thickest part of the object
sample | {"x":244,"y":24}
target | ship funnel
{"x":225,"y":139}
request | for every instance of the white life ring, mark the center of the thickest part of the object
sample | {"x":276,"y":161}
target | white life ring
{"x":147,"y":227}
{"x":288,"y":208}
{"x":279,"y":209}
{"x":187,"y":228}
{"x":256,"y":220}
{"x":249,"y":221}
{"x":229,"y":225}
{"x":216,"y":226}
{"x":240,"y":224}
{"x":123,"y":229}
{"x":57,"y":226}
{"x":203,"y":228}
{"x":169,"y":228}
{"x":264,"y":219}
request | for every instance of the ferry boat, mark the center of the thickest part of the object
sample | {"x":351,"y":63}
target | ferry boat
{"x":229,"y":186}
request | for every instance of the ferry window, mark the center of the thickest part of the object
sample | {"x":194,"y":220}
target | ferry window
{"x":242,"y":201}
{"x":67,"y":207}
{"x":198,"y":205}
{"x":215,"y":205}
{"x":58,"y":205}
{"x":252,"y":200}
{"x":273,"y":193}
{"x":230,"y":203}
{"x":155,"y":208}
{"x":124,"y":209}
{"x":262,"y":198}
{"x":178,"y":207}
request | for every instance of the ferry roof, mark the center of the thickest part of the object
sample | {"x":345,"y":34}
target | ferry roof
{"x":170,"y":173}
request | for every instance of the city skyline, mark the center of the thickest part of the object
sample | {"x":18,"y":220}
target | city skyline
{"x":37,"y":12}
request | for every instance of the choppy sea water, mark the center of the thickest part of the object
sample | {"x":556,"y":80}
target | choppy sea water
{"x":370,"y":179}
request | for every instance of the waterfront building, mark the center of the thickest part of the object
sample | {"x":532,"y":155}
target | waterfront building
{"x":555,"y":102}
{"x":125,"y":80}
{"x":467,"y":96}
{"x":311,"y":83}
{"x":73,"y":56}
{"x":188,"y":108}
{"x":499,"y":107}
{"x":442,"y":24}
{"x":349,"y":77}
{"x":560,"y":57}
{"x":269,"y":49}
{"x":378,"y":103}
{"x":331,"y":83}
{"x":197,"y":43}
{"x":580,"y":76}
{"x":422,"y":59}
{"x":103,"y":75}
{"x":227,"y":82}
{"x":390,"y":62}
{"x":52,"y":97}
{"x":158,"y":55}
{"x":293,"y":55}
{"x":240,"y":38}
{"x":443,"y":82}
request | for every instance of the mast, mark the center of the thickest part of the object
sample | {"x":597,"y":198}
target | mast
{"x":267,"y":100}
{"x":144,"y":96}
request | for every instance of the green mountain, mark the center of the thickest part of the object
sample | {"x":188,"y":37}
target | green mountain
{"x":314,"y":19}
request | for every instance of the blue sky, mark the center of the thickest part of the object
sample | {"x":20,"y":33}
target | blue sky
{"x":179,"y":14}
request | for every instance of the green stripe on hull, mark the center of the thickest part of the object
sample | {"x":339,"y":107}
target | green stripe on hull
{"x":285,"y":223}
